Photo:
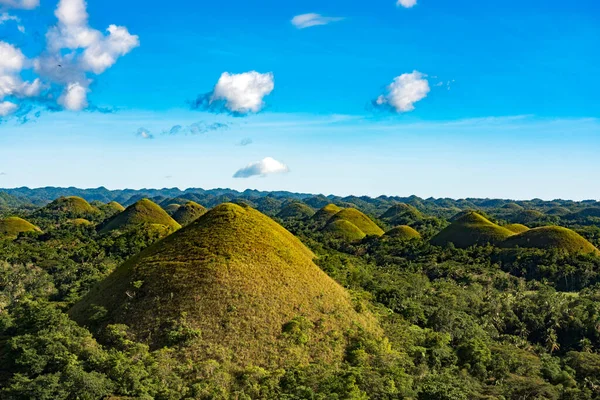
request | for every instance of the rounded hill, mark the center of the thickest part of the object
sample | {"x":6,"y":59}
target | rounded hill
{"x":344,"y":230}
{"x":516,"y":228}
{"x":143,"y":212}
{"x":403,"y":232}
{"x":359,"y":219}
{"x":552,"y":237}
{"x":188,"y":213}
{"x":471,"y":229}
{"x":11,"y":227}
{"x":69,"y":207}
{"x":296,"y":210}
{"x":244,"y":284}
{"x":401,"y":214}
{"x":322,"y":216}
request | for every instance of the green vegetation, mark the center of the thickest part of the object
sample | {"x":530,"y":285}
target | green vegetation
{"x":516,"y":228}
{"x":11,"y":227}
{"x":471,"y":229}
{"x":552,"y":237}
{"x":143,"y":212}
{"x":401,"y":214}
{"x":172,"y":208}
{"x":236,"y":278}
{"x":68,"y":207}
{"x":188,"y":213}
{"x":360,"y":220}
{"x":343,"y":230}
{"x":296,"y":210}
{"x":403,"y":232}
{"x":235,"y":306}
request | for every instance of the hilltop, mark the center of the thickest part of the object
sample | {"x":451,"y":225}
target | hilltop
{"x":517,"y":228}
{"x":11,"y":227}
{"x":68,"y":207}
{"x":403,"y":232}
{"x":188,"y":213}
{"x":246,"y":287}
{"x":321,"y":217}
{"x":552,"y":237}
{"x":344,"y":230}
{"x":360,"y":220}
{"x":469,"y":230}
{"x":295,"y":210}
{"x":401,"y":214}
{"x":142,"y":212}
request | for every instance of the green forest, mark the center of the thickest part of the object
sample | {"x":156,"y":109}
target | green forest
{"x":218,"y":294}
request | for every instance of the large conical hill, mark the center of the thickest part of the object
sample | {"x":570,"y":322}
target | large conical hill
{"x":247,"y":287}
{"x":403,"y":232}
{"x":552,"y":237}
{"x":401,"y":214}
{"x":344,"y":230}
{"x":68,"y":207}
{"x":142,"y":212}
{"x":469,"y":230}
{"x":321,"y":217}
{"x":295,"y":210}
{"x":359,"y":219}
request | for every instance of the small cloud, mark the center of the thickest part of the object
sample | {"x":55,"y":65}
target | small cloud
{"x":406,"y":3}
{"x":144,"y":133}
{"x":308,"y":20}
{"x":3,"y":174}
{"x":439,"y":84}
{"x":245,"y":142}
{"x":169,"y":177}
{"x":22,"y":4}
{"x":7,"y":108}
{"x":196,"y":128}
{"x":237,"y":94}
{"x":404,"y":92}
{"x":264,"y":167}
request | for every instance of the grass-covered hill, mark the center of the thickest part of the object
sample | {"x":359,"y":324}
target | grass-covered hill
{"x":11,"y":227}
{"x":171,"y":208}
{"x":403,"y":232}
{"x":517,"y":228}
{"x":343,"y":230}
{"x":188,"y":213}
{"x":321,"y":217}
{"x":68,"y":207}
{"x":401,"y":214}
{"x":360,"y":220}
{"x":143,"y":212}
{"x":295,"y":210}
{"x":471,"y":229}
{"x":552,"y":237}
{"x":233,"y":286}
{"x":80,"y":222}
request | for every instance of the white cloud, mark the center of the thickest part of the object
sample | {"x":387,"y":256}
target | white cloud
{"x":7,"y":108}
{"x":74,"y":97}
{"x":307,"y":20}
{"x":22,"y":4}
{"x":264,"y":167}
{"x":405,"y":91}
{"x":243,"y":93}
{"x":12,"y":62}
{"x":74,"y":49}
{"x":407,"y":3}
{"x":144,"y":133}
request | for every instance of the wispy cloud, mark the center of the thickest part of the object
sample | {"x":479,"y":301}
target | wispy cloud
{"x":3,"y":173}
{"x":406,"y":3}
{"x":144,"y":133}
{"x":6,"y":17}
{"x":237,"y":94}
{"x":245,"y":142}
{"x":311,"y":19}
{"x":196,"y":128}
{"x":404,"y":92}
{"x":22,"y":4}
{"x":266,"y":166}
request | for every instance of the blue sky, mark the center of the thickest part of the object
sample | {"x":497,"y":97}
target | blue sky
{"x":504,"y":101}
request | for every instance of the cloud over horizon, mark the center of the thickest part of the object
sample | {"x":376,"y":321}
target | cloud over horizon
{"x":238,"y":94}
{"x":144,"y":133}
{"x":264,"y":167}
{"x":303,"y":21}
{"x":404,"y":92}
{"x":406,"y":3}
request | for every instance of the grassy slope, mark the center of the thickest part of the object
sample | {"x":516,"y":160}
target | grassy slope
{"x":401,"y":210}
{"x":11,"y":227}
{"x":548,"y":237}
{"x":240,"y":277}
{"x":343,"y":229}
{"x":469,"y":230}
{"x":359,"y":219}
{"x":72,"y":206}
{"x":296,"y":210}
{"x":322,"y":216}
{"x":403,"y":232}
{"x":516,"y":228}
{"x":188,"y":213}
{"x":142,"y":212}
{"x":113,"y":205}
